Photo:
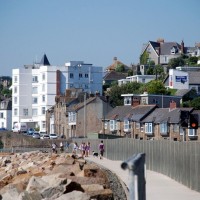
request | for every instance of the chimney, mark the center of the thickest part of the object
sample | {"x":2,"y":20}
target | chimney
{"x":172,"y":105}
{"x":182,"y":47}
{"x":115,"y":59}
{"x":160,"y":40}
{"x":135,"y":102}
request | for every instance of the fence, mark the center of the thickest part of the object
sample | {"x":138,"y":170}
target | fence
{"x":178,"y":160}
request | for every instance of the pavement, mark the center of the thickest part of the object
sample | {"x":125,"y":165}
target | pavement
{"x":158,"y":186}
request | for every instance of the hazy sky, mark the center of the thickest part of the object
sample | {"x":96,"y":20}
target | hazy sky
{"x":93,"y":31}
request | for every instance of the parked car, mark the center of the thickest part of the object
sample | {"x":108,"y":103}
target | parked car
{"x":30,"y":131}
{"x":53,"y":136}
{"x":36,"y":135}
{"x":3,"y":129}
{"x":44,"y":136}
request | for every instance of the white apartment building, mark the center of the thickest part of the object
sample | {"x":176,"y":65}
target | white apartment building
{"x":35,"y":87}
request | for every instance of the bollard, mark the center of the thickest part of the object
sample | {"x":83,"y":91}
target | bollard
{"x":136,"y":167}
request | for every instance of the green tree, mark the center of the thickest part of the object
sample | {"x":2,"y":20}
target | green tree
{"x":192,"y":60}
{"x":175,"y":62}
{"x":116,"y":92}
{"x":155,"y":87}
{"x":195,"y":103}
{"x":120,"y":68}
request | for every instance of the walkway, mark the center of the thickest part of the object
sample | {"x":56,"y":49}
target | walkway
{"x":158,"y":187}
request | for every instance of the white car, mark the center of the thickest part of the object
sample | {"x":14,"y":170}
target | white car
{"x":44,"y":136}
{"x":53,"y":136}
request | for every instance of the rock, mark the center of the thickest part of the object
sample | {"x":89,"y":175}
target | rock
{"x":5,"y":180}
{"x":30,"y":196}
{"x":92,"y":187}
{"x":11,"y":194}
{"x":105,"y":194}
{"x":74,"y":195}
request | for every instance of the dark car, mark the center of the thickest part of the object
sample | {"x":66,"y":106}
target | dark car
{"x":30,"y":131}
{"x":3,"y":129}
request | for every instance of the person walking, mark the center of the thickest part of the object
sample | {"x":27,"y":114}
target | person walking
{"x":75,"y":148}
{"x":87,"y":149}
{"x":61,"y":147}
{"x":54,"y":147}
{"x":101,"y":149}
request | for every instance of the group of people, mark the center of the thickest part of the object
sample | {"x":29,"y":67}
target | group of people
{"x":84,"y":149}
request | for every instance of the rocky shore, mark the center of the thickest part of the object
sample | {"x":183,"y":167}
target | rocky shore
{"x":39,"y":175}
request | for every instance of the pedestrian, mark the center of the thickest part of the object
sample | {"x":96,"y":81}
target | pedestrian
{"x":54,"y":147}
{"x":101,"y":149}
{"x":82,"y":149}
{"x":75,"y":148}
{"x":87,"y":149}
{"x":61,"y":147}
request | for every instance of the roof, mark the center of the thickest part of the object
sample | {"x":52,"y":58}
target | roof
{"x":194,"y":77}
{"x":115,"y":64}
{"x":165,"y":48}
{"x":182,"y":92}
{"x":114,"y":76}
{"x":165,"y":115}
{"x":44,"y":61}
{"x":134,"y":113}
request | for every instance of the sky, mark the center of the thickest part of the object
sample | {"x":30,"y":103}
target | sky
{"x":93,"y":31}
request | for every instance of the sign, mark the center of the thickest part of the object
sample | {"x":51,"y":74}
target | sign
{"x":181,"y":79}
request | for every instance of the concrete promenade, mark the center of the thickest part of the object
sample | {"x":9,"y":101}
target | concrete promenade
{"x":158,"y":186}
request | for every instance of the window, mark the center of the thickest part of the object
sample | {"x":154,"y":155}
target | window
{"x":15,"y":112}
{"x":71,"y":75}
{"x":86,"y":75}
{"x":137,"y":125}
{"x":25,"y":111}
{"x":113,"y":125}
{"x":182,"y":131}
{"x":127,"y":125}
{"x":43,"y":98}
{"x":34,"y":79}
{"x":192,"y":132}
{"x":165,"y":59}
{"x":1,"y":115}
{"x":35,"y":100}
{"x":3,"y":105}
{"x":35,"y":90}
{"x":71,"y":85}
{"x":34,"y":112}
{"x":43,"y":124}
{"x":163,"y":129}
{"x":176,"y":128}
{"x":15,"y":79}
{"x":43,"y":110}
{"x":148,"y":128}
{"x":15,"y":89}
{"x":80,"y":75}
{"x":43,"y":87}
{"x":86,"y":86}
{"x":127,"y":100}
{"x":105,"y":125}
{"x":43,"y":77}
{"x":71,"y":117}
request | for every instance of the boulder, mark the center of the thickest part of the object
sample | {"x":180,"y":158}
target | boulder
{"x":74,"y":195}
